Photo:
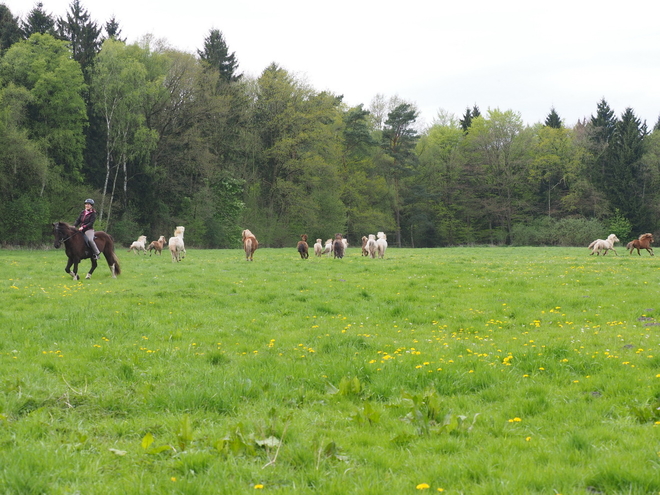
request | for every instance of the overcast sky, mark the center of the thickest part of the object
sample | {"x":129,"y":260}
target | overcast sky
{"x":515,"y":55}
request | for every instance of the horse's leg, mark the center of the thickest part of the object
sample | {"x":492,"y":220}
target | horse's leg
{"x":68,"y":267}
{"x":91,"y":270}
{"x":74,"y":272}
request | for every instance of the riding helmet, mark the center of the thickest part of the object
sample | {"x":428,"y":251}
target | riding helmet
{"x":90,"y":201}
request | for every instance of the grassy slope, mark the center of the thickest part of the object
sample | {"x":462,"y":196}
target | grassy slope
{"x":551,"y":357}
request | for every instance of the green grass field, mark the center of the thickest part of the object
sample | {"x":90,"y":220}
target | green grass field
{"x":474,"y":371}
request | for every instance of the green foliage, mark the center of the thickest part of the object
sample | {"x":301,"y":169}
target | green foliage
{"x":216,"y":56}
{"x":619,"y":225}
{"x":236,"y":443}
{"x":164,"y":138}
{"x":10,"y":31}
{"x":648,"y":412}
{"x":547,"y":231}
{"x":55,"y":109}
{"x":82,"y":34}
{"x":553,"y":120}
{"x":184,"y":433}
{"x":23,"y":220}
{"x":366,"y":414}
{"x":126,"y":230}
{"x":38,"y":21}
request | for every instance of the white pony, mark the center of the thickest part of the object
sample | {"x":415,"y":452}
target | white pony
{"x":139,"y":245}
{"x":604,"y":245}
{"x":328,"y":247}
{"x":318,"y":247}
{"x":381,"y":244}
{"x":372,"y":246}
{"x":177,"y":248}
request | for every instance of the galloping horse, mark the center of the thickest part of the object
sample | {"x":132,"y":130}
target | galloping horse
{"x":76,"y":249}
{"x":644,"y":242}
{"x":604,"y":245}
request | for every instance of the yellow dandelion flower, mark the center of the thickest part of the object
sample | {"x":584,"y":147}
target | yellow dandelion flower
{"x":258,"y":486}
{"x":423,"y":486}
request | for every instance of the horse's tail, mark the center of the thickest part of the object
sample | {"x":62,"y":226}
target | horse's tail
{"x":114,"y":261}
{"x":630,"y":245}
{"x":111,"y":256}
{"x":593,"y":244}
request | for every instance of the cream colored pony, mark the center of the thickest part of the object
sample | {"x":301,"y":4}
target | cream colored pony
{"x":604,"y":245}
{"x":138,"y":245}
{"x":381,"y":244}
{"x":177,"y":248}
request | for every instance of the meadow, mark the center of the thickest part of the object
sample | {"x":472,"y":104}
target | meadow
{"x":458,"y":370}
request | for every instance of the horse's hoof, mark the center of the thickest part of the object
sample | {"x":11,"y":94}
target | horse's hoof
{"x":88,"y":276}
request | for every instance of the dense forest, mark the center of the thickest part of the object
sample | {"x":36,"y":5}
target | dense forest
{"x":160,"y":137}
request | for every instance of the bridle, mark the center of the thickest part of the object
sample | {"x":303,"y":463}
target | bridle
{"x":62,"y":241}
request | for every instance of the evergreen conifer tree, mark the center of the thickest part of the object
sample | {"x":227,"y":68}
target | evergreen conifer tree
{"x":10,"y":31}
{"x":466,"y":121}
{"x":216,"y":55}
{"x":38,"y":21}
{"x":82,"y":34}
{"x":113,"y":31}
{"x":553,"y":120}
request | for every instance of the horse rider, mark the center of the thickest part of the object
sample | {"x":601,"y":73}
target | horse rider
{"x":86,"y":222}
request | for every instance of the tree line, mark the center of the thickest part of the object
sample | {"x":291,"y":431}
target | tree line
{"x":161,"y":137}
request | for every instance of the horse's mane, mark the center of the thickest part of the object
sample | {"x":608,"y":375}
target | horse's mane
{"x":645,"y":236}
{"x":65,"y":226}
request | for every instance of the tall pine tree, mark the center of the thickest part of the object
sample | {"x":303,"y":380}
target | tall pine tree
{"x":216,"y":55}
{"x":10,"y":32}
{"x":38,"y":21}
{"x":627,"y":179}
{"x":82,"y":34}
{"x":468,"y":117}
{"x":601,"y":130}
{"x":398,"y":142}
{"x":553,"y":120}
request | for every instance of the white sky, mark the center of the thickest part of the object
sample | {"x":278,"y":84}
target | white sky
{"x":518,"y":55}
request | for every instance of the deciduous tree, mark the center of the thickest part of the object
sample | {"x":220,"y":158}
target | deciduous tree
{"x":55,"y":112}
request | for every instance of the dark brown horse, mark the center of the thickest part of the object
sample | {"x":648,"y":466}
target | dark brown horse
{"x":303,"y":247}
{"x":338,"y":246}
{"x":644,"y":242}
{"x":76,"y":249}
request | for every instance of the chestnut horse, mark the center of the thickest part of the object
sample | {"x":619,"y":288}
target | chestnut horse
{"x":303,"y":247}
{"x":76,"y":249}
{"x":644,"y":242}
{"x":250,"y":244}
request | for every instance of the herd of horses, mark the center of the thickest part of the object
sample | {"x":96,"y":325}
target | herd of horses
{"x":76,"y":248}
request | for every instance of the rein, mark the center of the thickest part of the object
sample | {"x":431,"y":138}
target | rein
{"x":67,"y":238}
